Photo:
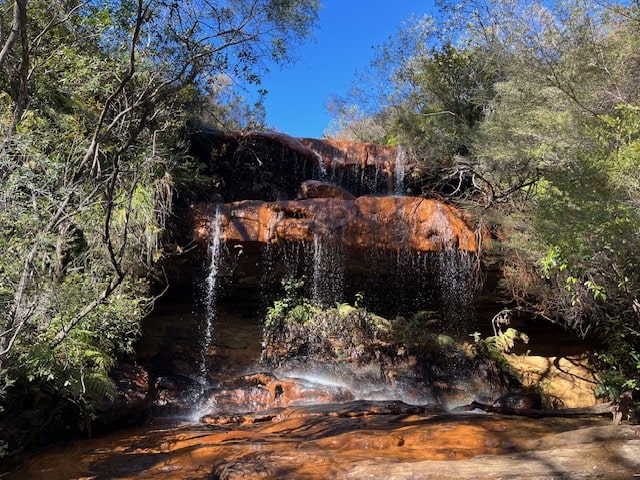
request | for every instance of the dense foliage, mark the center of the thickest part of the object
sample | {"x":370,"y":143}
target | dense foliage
{"x":95,"y":101}
{"x":529,"y":112}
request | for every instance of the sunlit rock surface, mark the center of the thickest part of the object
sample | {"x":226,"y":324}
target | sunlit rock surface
{"x":341,"y":155}
{"x":354,"y":441}
{"x":385,"y":223}
{"x":566,"y":382}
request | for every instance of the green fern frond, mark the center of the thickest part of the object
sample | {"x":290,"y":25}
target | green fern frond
{"x":99,"y":385}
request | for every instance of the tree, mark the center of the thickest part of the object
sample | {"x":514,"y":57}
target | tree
{"x":96,"y":97}
{"x":424,"y":93}
{"x":533,"y":106}
{"x":564,"y":126}
{"x":18,"y":30}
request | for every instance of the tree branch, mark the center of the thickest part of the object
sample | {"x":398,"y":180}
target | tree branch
{"x":18,"y":24}
{"x":98,"y":133}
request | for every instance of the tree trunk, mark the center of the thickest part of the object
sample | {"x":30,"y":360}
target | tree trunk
{"x":18,"y":25}
{"x":18,"y":30}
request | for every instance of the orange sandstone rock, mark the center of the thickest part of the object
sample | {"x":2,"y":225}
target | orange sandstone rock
{"x":341,"y":153}
{"x":386,"y":223}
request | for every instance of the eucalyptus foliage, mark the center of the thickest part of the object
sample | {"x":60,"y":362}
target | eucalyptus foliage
{"x":95,"y":102}
{"x":534,"y":108}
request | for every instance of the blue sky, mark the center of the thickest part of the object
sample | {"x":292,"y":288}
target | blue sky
{"x":343,"y":45}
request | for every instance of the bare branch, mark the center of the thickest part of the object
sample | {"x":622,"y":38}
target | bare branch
{"x":18,"y":25}
{"x":141,"y":13}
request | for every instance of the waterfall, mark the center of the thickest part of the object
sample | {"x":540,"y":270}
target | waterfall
{"x":328,"y":270}
{"x":399,"y":170}
{"x":457,"y":288}
{"x":317,"y":268}
{"x":322,"y":168}
{"x":211,"y":292}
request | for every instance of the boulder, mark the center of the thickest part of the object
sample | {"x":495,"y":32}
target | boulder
{"x":263,"y":391}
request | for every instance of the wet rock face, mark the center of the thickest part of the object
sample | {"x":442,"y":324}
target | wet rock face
{"x":378,"y":358}
{"x":362,"y":168}
{"x":337,"y":197}
{"x":341,"y":154}
{"x":261,"y":392}
{"x":270,"y":166}
{"x":271,"y":188}
{"x":383,"y":223}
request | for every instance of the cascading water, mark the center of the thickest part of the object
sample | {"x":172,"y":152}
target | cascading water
{"x":303,"y":267}
{"x":456,"y":282}
{"x":288,"y":412}
{"x":322,"y":168}
{"x":328,"y":271}
{"x":210,"y":293}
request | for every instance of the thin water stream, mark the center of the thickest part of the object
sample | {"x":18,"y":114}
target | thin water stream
{"x":210,"y":293}
{"x":399,"y":171}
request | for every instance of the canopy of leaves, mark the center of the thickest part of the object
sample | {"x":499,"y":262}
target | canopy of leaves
{"x":534,"y":106}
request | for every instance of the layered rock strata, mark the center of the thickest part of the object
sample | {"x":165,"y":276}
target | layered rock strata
{"x":385,"y":223}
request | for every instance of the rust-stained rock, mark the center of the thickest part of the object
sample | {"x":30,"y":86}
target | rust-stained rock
{"x":316,"y":445}
{"x":386,"y":223}
{"x":408,"y":222}
{"x":263,"y":391}
{"x":342,"y":153}
{"x":318,"y":189}
{"x":332,"y":153}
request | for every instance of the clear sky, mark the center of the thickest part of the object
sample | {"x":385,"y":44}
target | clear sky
{"x":344,"y":43}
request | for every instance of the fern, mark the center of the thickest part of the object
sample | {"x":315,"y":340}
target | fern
{"x":345,"y":309}
{"x":98,"y":385}
{"x":503,"y":342}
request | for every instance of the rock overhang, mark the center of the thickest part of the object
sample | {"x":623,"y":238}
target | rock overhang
{"x":367,"y":222}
